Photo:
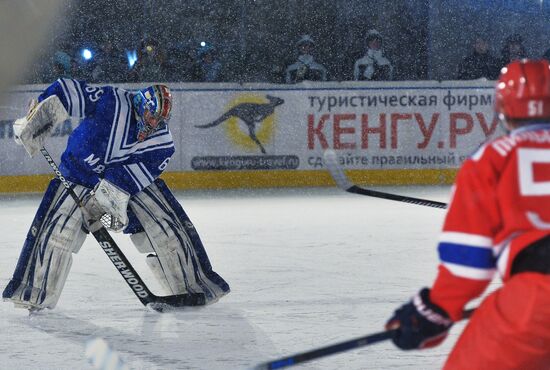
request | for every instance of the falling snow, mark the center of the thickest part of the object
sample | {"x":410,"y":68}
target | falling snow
{"x":306,"y":268}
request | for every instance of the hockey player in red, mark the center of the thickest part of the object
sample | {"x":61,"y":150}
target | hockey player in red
{"x":498,"y":221}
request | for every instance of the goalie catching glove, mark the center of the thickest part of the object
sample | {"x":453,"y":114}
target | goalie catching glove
{"x":106,"y":204}
{"x":419,"y":323}
{"x":31,"y":131}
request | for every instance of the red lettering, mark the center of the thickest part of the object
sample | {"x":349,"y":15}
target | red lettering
{"x":455,"y":130}
{"x":426,"y":132}
{"x":366,"y":130}
{"x":313,"y":131}
{"x":339,"y":131}
{"x":395,"y":118}
{"x":488,"y":131}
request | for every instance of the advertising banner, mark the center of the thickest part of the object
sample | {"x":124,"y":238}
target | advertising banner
{"x":379,"y":126}
{"x":220,"y":128}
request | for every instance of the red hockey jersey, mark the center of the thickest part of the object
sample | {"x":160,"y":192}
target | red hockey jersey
{"x":500,"y":205}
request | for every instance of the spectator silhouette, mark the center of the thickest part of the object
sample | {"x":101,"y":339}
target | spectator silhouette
{"x":110,"y":64}
{"x":62,"y":64}
{"x":59,"y":66}
{"x":151,"y":65}
{"x":181,"y":61}
{"x":513,"y":49}
{"x":207,"y":68}
{"x":305,"y":68}
{"x":374,"y":66}
{"x":480,"y":63}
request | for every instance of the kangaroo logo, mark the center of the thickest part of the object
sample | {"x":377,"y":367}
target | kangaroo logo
{"x":251,"y":114}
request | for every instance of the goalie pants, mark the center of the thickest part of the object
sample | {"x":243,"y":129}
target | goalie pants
{"x":158,"y":224}
{"x":509,"y":330}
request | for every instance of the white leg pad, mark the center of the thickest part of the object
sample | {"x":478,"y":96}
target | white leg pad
{"x":46,"y":259}
{"x":184,"y":265}
{"x":143,"y":245}
{"x":142,"y":242}
{"x":154,"y":264}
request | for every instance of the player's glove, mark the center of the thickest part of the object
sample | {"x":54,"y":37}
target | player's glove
{"x":419,"y":323}
{"x":31,"y":131}
{"x":106,"y":203}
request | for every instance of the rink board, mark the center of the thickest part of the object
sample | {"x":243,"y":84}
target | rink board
{"x":393,"y":133}
{"x":257,"y":179}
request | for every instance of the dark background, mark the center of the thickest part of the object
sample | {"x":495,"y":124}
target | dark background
{"x":255,"y":39}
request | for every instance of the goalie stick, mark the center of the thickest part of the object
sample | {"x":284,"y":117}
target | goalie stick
{"x":337,"y":173}
{"x":335,"y":348}
{"x":158,"y":303}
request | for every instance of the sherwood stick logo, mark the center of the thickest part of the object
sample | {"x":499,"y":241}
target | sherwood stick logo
{"x":55,"y":168}
{"x":121,"y":266}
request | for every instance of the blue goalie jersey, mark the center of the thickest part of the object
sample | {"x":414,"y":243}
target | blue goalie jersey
{"x":104,"y":145}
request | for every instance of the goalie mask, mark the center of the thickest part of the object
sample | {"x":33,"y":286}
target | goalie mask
{"x":152,"y":106}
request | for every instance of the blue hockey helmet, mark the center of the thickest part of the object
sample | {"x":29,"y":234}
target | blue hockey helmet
{"x":152,"y":106}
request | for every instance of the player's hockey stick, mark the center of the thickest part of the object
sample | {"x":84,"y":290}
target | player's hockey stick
{"x":335,"y":348}
{"x":331,"y":161}
{"x":158,"y":303}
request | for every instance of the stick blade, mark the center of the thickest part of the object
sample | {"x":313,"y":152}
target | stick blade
{"x":331,"y":162}
{"x":171,"y":302}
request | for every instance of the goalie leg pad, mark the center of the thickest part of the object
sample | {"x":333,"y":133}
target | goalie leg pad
{"x":184,"y":264}
{"x":144,"y":245}
{"x":55,"y":234}
{"x":154,"y":264}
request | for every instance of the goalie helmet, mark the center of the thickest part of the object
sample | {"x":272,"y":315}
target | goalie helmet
{"x":523,"y":91}
{"x":152,"y":106}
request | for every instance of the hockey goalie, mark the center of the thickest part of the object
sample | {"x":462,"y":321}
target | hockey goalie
{"x":114,"y":158}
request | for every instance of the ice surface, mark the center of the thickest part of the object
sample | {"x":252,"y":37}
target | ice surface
{"x":307,"y":268}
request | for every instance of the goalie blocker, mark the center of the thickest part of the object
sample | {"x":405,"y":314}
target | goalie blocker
{"x":158,"y":226}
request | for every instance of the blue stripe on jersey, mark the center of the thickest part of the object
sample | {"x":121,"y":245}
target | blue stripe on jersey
{"x":467,"y":255}
{"x":127,"y":131}
{"x":110,"y":144}
{"x":147,"y":149}
{"x":139,"y":185}
{"x":80,"y":98}
{"x":129,"y":113}
{"x":67,"y":96}
{"x":146,"y":172}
